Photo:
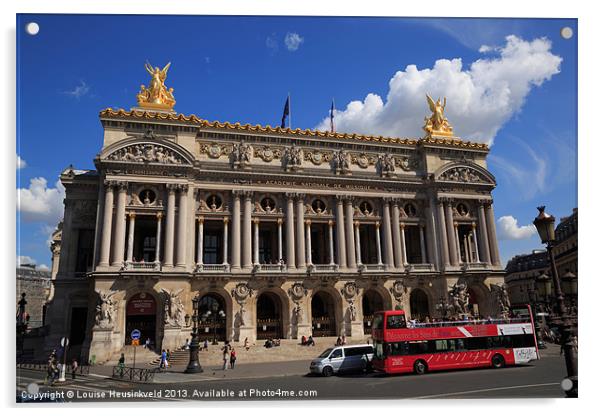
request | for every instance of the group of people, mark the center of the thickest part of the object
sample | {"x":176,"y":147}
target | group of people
{"x":342,"y":340}
{"x":308,"y":341}
{"x":270,"y":343}
{"x":228,"y":354}
{"x":165,"y":357}
{"x":55,"y":368}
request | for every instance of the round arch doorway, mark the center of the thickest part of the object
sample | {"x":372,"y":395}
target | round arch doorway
{"x":419,"y":304}
{"x":323,"y":318}
{"x":141,"y":314}
{"x":372,"y":302}
{"x":212,"y":315}
{"x":269,"y":316}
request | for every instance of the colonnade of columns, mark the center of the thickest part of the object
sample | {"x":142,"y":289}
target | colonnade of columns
{"x":476,"y":246}
{"x":241,"y":239}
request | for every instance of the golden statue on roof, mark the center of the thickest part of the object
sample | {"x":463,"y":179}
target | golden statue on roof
{"x":437,"y":124}
{"x":156,"y":96}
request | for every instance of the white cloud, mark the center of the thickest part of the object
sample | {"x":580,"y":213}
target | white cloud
{"x":480,"y":98}
{"x":79,"y":90}
{"x":20,"y":163}
{"x":43,"y":267}
{"x":293,"y":41}
{"x":508,"y":229}
{"x":272,"y":43}
{"x":39,"y":203}
{"x":25,"y":260}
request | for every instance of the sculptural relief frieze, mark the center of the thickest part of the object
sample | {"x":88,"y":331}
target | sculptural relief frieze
{"x":268,"y":153}
{"x":174,"y":308}
{"x":147,"y":153}
{"x":463,"y":174}
{"x":106,"y":309}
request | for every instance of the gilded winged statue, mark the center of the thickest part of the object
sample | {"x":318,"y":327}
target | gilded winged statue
{"x":437,"y":124}
{"x":157,"y":95}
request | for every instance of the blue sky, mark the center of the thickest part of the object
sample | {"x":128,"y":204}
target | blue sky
{"x":242,"y":68}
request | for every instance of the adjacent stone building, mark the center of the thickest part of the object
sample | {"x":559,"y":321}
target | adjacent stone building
{"x":528,"y":274}
{"x":36,"y":285}
{"x":280,"y":232}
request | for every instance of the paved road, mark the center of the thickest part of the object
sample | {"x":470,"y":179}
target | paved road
{"x":539,"y":379}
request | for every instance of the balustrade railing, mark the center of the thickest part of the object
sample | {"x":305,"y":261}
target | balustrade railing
{"x":142,"y":265}
{"x":225,"y":268}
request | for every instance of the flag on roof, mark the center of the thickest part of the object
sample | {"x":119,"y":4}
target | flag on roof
{"x":286,"y":112}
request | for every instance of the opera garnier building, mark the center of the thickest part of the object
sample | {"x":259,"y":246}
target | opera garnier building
{"x":278,"y":232}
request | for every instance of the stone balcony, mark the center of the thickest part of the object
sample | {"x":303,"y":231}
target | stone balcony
{"x":212,"y":268}
{"x":142,"y":266}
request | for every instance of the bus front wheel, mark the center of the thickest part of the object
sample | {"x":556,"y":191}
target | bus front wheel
{"x":420,"y":367}
{"x":497,"y":361}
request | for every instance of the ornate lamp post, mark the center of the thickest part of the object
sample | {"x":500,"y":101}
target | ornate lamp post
{"x":442,"y":307}
{"x":214,"y":314}
{"x":545,"y":228}
{"x":538,"y":312}
{"x":193,"y":365}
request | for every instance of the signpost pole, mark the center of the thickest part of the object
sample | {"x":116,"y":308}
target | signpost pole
{"x":135,"y":335}
{"x":65,"y":345}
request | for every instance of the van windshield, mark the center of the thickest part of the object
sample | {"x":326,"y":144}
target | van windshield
{"x":325,"y":353}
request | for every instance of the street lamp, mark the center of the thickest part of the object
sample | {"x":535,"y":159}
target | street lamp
{"x":442,"y":307}
{"x":193,"y":364}
{"x":214,"y":314}
{"x":545,"y":228}
{"x":534,"y":297}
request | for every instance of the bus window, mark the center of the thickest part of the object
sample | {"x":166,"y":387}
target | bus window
{"x":418,"y":347}
{"x":399,"y":348}
{"x":460,"y":345}
{"x":396,"y":322}
{"x":378,"y":351}
{"x":441,"y":345}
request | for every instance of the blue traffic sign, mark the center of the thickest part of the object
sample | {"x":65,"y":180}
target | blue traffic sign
{"x":135,"y":334}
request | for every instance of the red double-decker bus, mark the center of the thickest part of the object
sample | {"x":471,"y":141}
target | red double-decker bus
{"x":403,"y":347}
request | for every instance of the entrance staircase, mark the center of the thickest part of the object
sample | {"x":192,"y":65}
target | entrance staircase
{"x":177,"y":357}
{"x":143,"y":356}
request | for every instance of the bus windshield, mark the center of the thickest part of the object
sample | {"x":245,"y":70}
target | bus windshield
{"x":378,"y":321}
{"x":396,"y":322}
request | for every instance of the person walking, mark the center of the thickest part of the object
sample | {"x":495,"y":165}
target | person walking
{"x":121,"y":364}
{"x":162,"y":363}
{"x":206,"y":345}
{"x":74,"y":366}
{"x":167,"y":358}
{"x":225,"y":357}
{"x":247,"y":346}
{"x":232,"y":358}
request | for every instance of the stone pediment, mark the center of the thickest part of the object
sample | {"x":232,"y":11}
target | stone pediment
{"x":158,"y":151}
{"x":464,"y":172}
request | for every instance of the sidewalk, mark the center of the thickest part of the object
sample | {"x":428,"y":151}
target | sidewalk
{"x":214,"y":372}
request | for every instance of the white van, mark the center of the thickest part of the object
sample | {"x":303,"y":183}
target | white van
{"x":347,"y":358}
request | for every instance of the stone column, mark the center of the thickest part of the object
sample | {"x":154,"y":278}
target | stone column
{"x":170,"y":225}
{"x":107,"y":224}
{"x":379,"y":255}
{"x":483,"y":238}
{"x":397,"y":250}
{"x":358,"y":246}
{"x":182,"y":226}
{"x":330,"y":243}
{"x":225,"y":252}
{"x":290,"y":232}
{"x":433,"y":250}
{"x":246,"y":231}
{"x":256,"y":241}
{"x":308,"y":241}
{"x":449,"y":219}
{"x":422,"y":245}
{"x":200,"y":249}
{"x":279,"y":239}
{"x":300,"y":232}
{"x":404,"y":254}
{"x":476,"y":244}
{"x":119,"y":241}
{"x":467,"y":248}
{"x":457,"y":243}
{"x":131,"y":228}
{"x":340,"y":223}
{"x":158,"y":238}
{"x":442,"y":234}
{"x":235,"y":254}
{"x":351,"y":262}
{"x":493,"y":248}
{"x":389,"y":256}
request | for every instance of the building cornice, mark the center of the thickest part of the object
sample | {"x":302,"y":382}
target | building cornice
{"x":193,"y":120}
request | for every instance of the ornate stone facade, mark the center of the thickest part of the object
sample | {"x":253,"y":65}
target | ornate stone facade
{"x":280,"y":232}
